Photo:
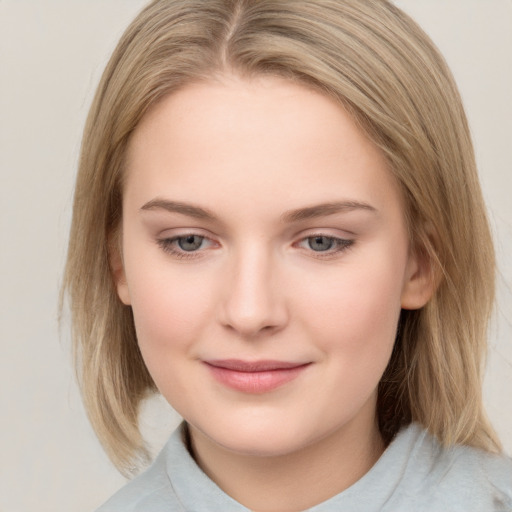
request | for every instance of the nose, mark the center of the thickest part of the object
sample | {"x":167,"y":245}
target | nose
{"x":253,"y":300}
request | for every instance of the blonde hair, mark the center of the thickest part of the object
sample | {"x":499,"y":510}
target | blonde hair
{"x":380,"y":66}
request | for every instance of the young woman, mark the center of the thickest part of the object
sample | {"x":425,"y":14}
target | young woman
{"x":278,"y":226}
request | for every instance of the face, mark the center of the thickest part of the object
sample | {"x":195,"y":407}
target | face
{"x":266,"y":259}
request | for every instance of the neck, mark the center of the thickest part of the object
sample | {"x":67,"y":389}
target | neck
{"x":294,"y":481}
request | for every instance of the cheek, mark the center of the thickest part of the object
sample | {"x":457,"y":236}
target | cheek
{"x":353,"y":324}
{"x":169,"y":310}
{"x":168,"y":318}
{"x":356,"y":309}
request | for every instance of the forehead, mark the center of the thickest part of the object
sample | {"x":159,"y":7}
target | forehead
{"x":255,"y":111}
{"x":265,"y":138}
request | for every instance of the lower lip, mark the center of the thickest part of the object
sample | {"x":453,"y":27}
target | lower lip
{"x":255,"y":382}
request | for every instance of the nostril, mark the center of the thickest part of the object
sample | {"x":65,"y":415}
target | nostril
{"x":250,"y":326}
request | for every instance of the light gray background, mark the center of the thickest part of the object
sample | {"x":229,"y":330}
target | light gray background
{"x":52,"y":53}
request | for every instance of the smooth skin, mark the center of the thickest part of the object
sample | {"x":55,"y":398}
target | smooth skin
{"x":259,"y":223}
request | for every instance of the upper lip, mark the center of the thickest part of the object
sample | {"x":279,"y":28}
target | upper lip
{"x":253,"y":366}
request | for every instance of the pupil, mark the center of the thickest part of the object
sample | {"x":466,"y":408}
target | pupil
{"x":190,"y":243}
{"x":320,"y":243}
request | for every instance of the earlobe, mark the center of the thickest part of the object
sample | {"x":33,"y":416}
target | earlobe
{"x":118,"y":273}
{"x":122,"y":290}
{"x":420,"y":280}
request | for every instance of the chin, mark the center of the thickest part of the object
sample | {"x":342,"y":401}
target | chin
{"x":260,"y":437}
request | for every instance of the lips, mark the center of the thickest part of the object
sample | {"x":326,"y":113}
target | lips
{"x":254,"y":376}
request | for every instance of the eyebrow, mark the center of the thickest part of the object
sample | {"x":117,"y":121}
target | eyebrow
{"x":324,"y":209}
{"x":177,"y":207}
{"x":290,"y":216}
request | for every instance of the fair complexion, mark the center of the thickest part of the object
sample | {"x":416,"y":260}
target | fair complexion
{"x":266,"y":258}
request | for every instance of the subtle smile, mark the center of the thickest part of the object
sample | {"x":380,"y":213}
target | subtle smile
{"x":254,"y":376}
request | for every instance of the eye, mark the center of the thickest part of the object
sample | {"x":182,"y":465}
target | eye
{"x":186,"y":246}
{"x":325,"y":245}
{"x":320,"y":243}
{"x":189,"y":243}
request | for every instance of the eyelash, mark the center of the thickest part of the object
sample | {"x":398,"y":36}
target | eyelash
{"x":339,"y":245}
{"x":169,"y":245}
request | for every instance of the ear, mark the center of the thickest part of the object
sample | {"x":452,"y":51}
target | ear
{"x":117,"y":269}
{"x":420,"y":280}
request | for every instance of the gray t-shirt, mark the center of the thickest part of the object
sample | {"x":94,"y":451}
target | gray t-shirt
{"x":414,"y":474}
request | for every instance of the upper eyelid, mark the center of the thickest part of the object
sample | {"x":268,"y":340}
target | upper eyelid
{"x":332,"y":232}
{"x":303,"y":236}
{"x":314,"y":234}
{"x":172,"y":232}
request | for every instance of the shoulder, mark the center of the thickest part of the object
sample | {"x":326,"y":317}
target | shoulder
{"x":457,"y":478}
{"x":173,"y":483}
{"x":484,"y":479}
{"x":151,"y":491}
